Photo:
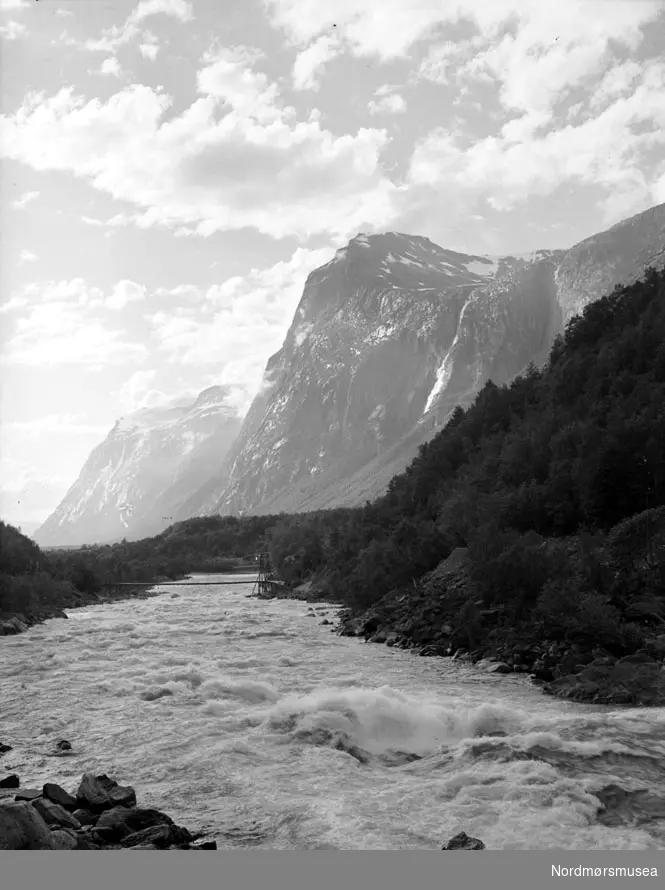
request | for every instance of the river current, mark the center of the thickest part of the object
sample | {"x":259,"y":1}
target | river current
{"x":251,"y":720}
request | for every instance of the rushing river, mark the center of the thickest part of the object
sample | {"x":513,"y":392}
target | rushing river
{"x":252,"y":720}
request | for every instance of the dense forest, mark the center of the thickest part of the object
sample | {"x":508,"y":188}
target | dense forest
{"x":31,"y":580}
{"x":555,"y":483}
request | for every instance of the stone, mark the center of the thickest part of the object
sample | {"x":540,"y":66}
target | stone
{"x":83,"y":842}
{"x":28,"y":794}
{"x":12,"y":781}
{"x":85,"y":817}
{"x":462,"y":841}
{"x":5,"y":748}
{"x":64,"y":840}
{"x":159,"y":835}
{"x":99,"y":793}
{"x":54,"y":814}
{"x":63,"y":745}
{"x":120,"y":822}
{"x":22,"y":828}
{"x":59,"y":795}
{"x":203,"y":844}
{"x":500,"y":667}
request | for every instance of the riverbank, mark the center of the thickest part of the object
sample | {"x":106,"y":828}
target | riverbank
{"x":426,"y":621}
{"x":100,"y":814}
{"x":18,"y":622}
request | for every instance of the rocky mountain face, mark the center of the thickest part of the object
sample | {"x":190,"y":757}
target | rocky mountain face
{"x":135,"y":483}
{"x":389,"y":337}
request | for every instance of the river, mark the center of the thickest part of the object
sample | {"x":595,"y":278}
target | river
{"x":252,"y":720}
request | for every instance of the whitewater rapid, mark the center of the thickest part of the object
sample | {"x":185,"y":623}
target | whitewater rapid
{"x":251,"y":720}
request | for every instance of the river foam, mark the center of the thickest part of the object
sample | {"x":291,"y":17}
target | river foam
{"x":249,"y":719}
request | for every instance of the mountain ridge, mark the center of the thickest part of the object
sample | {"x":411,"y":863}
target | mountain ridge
{"x":388,"y":338}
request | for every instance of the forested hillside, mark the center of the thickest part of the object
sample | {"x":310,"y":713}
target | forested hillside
{"x":575,"y":447}
{"x":36,"y":583}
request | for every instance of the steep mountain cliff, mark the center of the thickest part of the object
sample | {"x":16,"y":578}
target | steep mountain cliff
{"x":136,"y":481}
{"x":389,"y":337}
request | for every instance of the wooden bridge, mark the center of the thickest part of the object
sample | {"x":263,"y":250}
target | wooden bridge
{"x":265,"y":583}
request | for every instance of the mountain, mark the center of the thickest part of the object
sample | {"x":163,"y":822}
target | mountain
{"x":388,"y":338}
{"x":136,"y":481}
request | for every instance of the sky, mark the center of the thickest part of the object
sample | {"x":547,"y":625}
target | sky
{"x":172,"y":170}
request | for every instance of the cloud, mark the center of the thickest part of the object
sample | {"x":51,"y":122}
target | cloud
{"x":57,"y":334}
{"x":532,"y":52}
{"x":25,"y":199}
{"x":27,"y":256}
{"x":13,"y":304}
{"x":236,"y":157}
{"x":387,"y":102}
{"x":112,"y":38}
{"x":245,"y":322}
{"x":125,"y":292}
{"x":138,"y":392}
{"x":605,"y":150}
{"x":149,"y":50}
{"x":12,"y":30}
{"x":59,"y":327}
{"x":110,"y":67}
{"x":311,"y":60}
{"x":178,"y":9}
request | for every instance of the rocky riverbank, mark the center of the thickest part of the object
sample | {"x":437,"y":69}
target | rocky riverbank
{"x":100,"y":814}
{"x":426,"y":620}
{"x":19,"y":622}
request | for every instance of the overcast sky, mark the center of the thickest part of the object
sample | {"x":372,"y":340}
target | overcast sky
{"x":173,"y":170}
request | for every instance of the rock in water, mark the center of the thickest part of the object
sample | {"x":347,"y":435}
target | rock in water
{"x":22,"y":828}
{"x":158,"y":835}
{"x":118,"y":823}
{"x":5,"y":748}
{"x":99,"y":793}
{"x":54,"y":814}
{"x":28,"y":794}
{"x":462,"y":841}
{"x":59,"y":795}
{"x":12,"y":781}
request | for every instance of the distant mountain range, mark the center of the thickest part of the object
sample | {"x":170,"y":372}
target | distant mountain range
{"x":388,"y":338}
{"x":135,"y":483}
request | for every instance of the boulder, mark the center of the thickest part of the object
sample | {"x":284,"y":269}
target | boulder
{"x":84,"y":842}
{"x":5,"y":748}
{"x":54,"y":814}
{"x":12,"y":781}
{"x":499,"y":667}
{"x":85,"y":817}
{"x":99,"y":793}
{"x":22,"y":828}
{"x":158,"y":835}
{"x":63,"y":839}
{"x":462,"y":841}
{"x":58,"y":795}
{"x":118,"y":823}
{"x":28,"y":794}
